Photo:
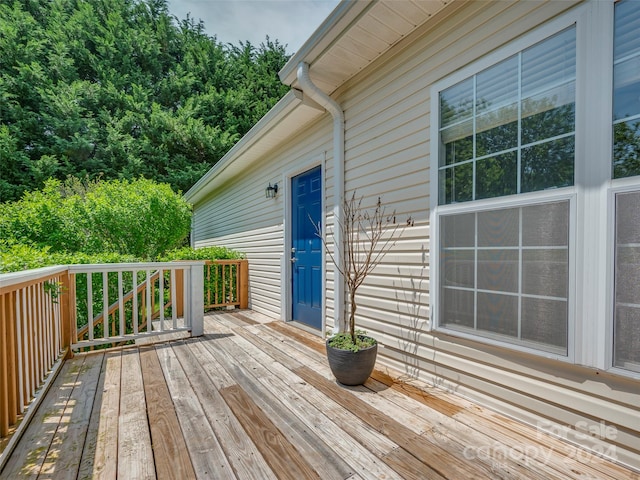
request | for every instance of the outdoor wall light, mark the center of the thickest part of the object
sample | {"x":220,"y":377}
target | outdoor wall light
{"x":271,"y":190}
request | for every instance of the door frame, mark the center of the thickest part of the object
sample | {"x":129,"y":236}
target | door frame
{"x":287,"y":271}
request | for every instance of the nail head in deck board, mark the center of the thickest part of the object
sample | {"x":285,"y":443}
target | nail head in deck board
{"x":26,"y":460}
{"x":280,"y":454}
{"x":244,"y":457}
{"x":67,"y":445}
{"x":135,"y":455}
{"x":236,"y":355}
{"x":207,"y":456}
{"x":428,"y":453}
{"x":169,"y":448}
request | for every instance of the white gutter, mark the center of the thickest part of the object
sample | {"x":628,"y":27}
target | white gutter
{"x":318,"y":96}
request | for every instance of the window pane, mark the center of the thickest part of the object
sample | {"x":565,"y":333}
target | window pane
{"x":545,"y":322}
{"x":458,"y":230}
{"x":547,"y":165}
{"x":497,"y":176}
{"x":548,"y":114}
{"x":627,"y":21}
{"x":498,"y":313}
{"x":626,"y":88}
{"x":457,"y":308}
{"x":627,"y":338}
{"x":549,"y":63}
{"x":456,"y":184}
{"x":499,"y":228}
{"x":627,"y":282}
{"x":497,"y":86}
{"x":546,"y":225}
{"x":497,"y":130}
{"x":457,"y":143}
{"x":459,"y":268}
{"x":456,"y":103}
{"x":545,"y":272}
{"x":498,"y":270}
{"x":626,"y":149}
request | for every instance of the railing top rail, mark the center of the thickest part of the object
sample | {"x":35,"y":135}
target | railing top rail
{"x":19,"y":279}
{"x":115,"y":267}
{"x":225,"y":262}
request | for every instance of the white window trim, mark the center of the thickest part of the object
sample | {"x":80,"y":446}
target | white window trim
{"x":590,"y":342}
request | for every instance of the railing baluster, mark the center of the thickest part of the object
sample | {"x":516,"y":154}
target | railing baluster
{"x":25,"y":348}
{"x":41,"y":332}
{"x":161,"y":298}
{"x":105,"y":303}
{"x":120,"y":304}
{"x":19,"y":352}
{"x":174,"y":303}
{"x":89,"y":305}
{"x":33,"y":360}
{"x":134,"y":305}
{"x":149,"y":301}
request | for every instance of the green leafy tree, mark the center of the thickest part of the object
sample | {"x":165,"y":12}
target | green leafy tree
{"x":117,"y":89}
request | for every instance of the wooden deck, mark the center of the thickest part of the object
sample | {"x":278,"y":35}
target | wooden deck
{"x":255,"y":400}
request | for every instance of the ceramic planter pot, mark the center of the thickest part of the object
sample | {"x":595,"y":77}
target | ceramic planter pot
{"x":352,"y":368}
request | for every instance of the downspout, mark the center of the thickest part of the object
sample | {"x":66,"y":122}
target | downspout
{"x":318,"y":96}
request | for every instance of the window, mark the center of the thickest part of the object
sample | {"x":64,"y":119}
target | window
{"x":626,"y":163}
{"x":507,"y":130}
{"x":505,"y":274}
{"x":627,"y":282}
{"x":511,"y":128}
{"x":536,"y":220}
{"x":626,"y":90}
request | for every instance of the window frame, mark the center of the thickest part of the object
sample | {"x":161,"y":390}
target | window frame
{"x":574,"y":17}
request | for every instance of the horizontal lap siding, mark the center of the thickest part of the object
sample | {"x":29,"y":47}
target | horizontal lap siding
{"x":238,"y":215}
{"x":387,"y":154}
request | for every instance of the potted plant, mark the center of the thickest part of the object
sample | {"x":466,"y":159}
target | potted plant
{"x":367,"y":235}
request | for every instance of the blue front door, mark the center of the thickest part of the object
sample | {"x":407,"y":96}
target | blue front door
{"x":306,"y":248}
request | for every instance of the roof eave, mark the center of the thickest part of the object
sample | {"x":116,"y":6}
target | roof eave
{"x":325,"y":35}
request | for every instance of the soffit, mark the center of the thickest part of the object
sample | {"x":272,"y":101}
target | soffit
{"x":374,"y":28}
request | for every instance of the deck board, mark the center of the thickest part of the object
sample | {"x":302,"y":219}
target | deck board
{"x":65,"y":451}
{"x":170,"y":453}
{"x":254,"y":398}
{"x":135,"y":455}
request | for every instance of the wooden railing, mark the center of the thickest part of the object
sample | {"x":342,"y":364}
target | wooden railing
{"x":226,"y":284}
{"x":118,"y":303}
{"x":34,"y":336}
{"x":48,"y":313}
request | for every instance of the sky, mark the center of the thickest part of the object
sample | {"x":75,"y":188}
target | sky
{"x":291,"y":22}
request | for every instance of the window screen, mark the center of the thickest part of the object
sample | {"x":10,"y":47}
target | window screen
{"x":505,"y":274}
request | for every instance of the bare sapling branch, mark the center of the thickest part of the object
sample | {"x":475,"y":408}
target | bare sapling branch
{"x":367,"y":239}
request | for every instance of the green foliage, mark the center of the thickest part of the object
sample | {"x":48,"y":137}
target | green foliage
{"x":207,"y":253}
{"x":343,"y":341}
{"x":117,"y":89}
{"x":17,"y":257}
{"x":139,"y":218}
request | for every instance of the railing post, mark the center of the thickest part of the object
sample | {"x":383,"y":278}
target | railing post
{"x":244,"y":284}
{"x":67,"y":300}
{"x":197,"y":299}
